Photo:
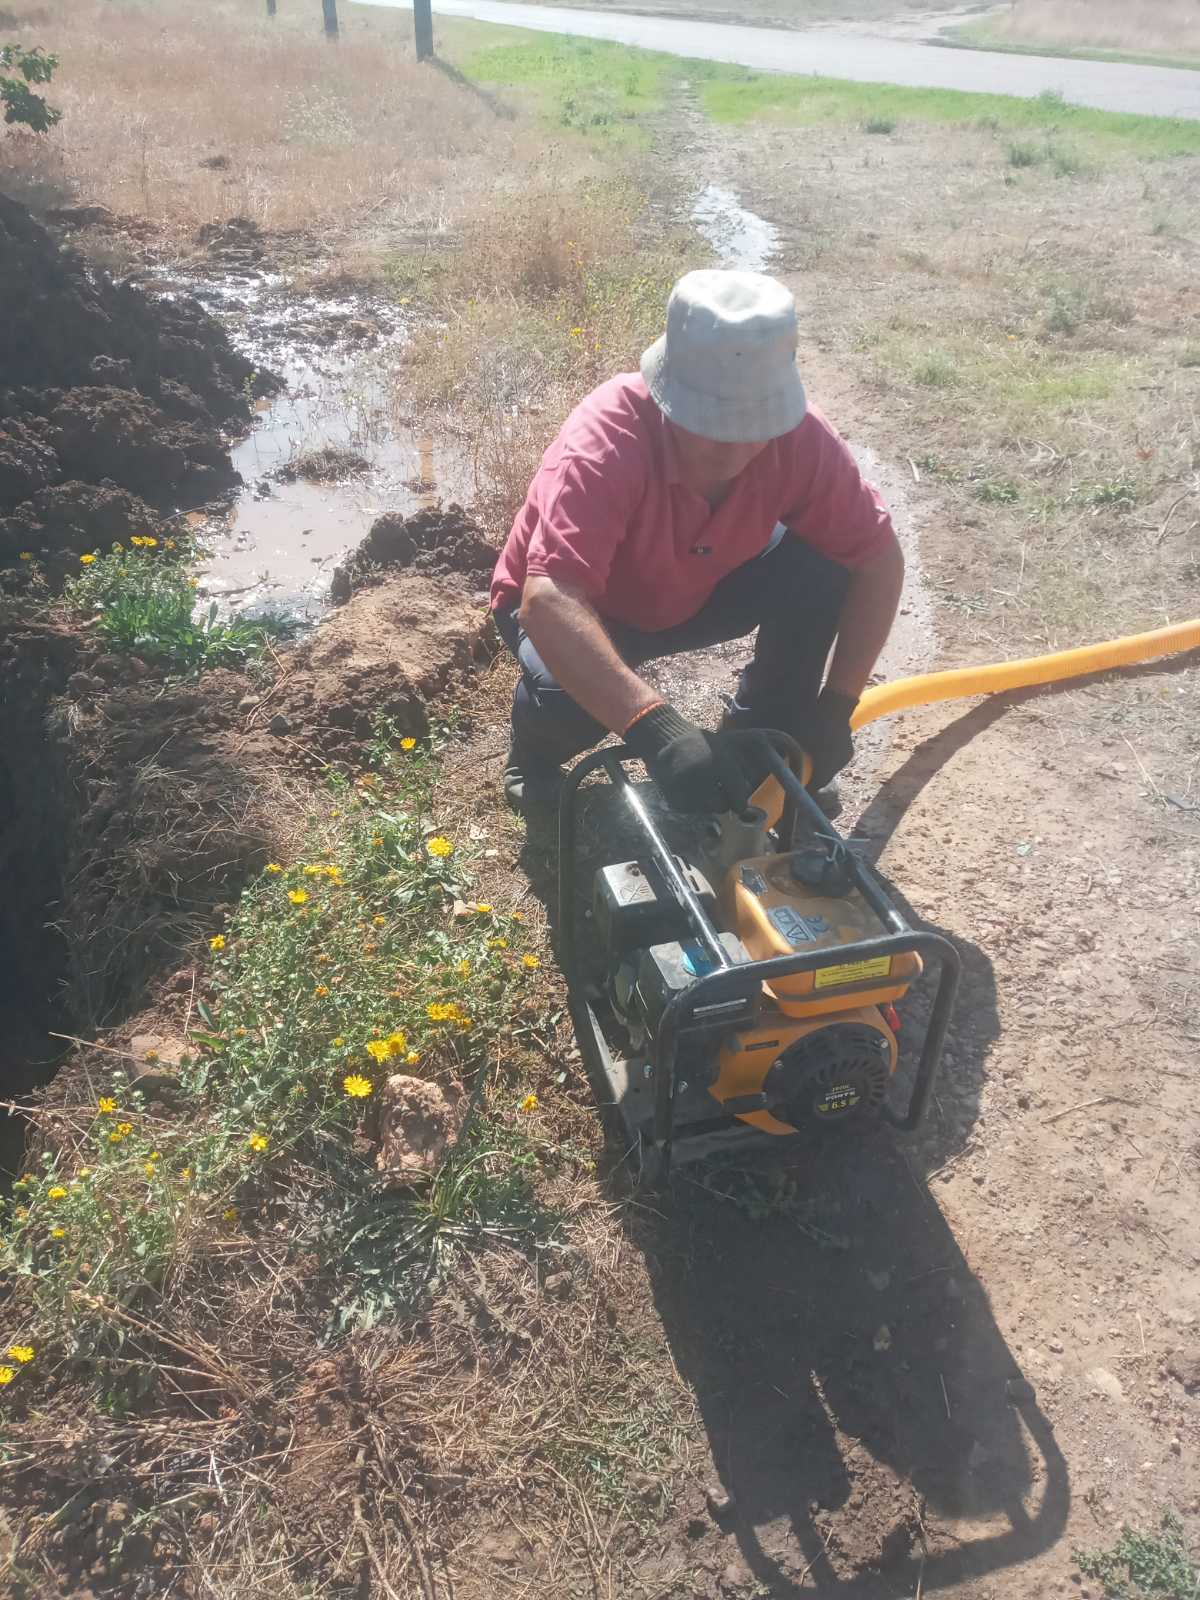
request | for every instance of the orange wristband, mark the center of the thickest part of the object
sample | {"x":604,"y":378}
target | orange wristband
{"x":645,"y":711}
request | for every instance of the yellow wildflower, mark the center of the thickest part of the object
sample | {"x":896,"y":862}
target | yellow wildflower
{"x":442,"y":1011}
{"x":272,"y":866}
{"x":7,"y":1374}
{"x":497,"y":944}
{"x":168,"y":544}
{"x":298,"y":897}
{"x":397,"y":1043}
{"x":518,"y":916}
{"x":531,"y":962}
{"x":464,"y":1023}
{"x":335,"y":872}
{"x":58,"y":1233}
{"x":321,"y":991}
{"x":379,"y":921}
{"x":530,"y":1103}
{"x":115,"y":1137}
{"x":339,"y":1042}
{"x":411,"y":1059}
{"x":217,"y":942}
{"x":186,"y":1174}
{"x":439,"y":846}
{"x":124,"y":1129}
{"x":376,"y":843}
{"x":21,"y":1353}
{"x":258,"y":1141}
{"x":229,"y":1215}
{"x":358,"y":1088}
{"x":87,"y":559}
{"x":239,"y":1032}
{"x":313,"y":872}
{"x":482,"y":907}
{"x":85,"y":1172}
{"x":378,"y":1050}
{"x":26,"y":555}
{"x":463,"y":969}
{"x":408,"y":744}
{"x":150,"y":541}
{"x":149,"y":1168}
{"x":56,"y":1193}
{"x":106,"y":1104}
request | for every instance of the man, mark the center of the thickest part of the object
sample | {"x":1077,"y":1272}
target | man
{"x":679,"y":508}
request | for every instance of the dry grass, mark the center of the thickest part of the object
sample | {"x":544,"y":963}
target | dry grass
{"x":302,"y":133}
{"x":537,"y":304}
{"x":1159,"y":26}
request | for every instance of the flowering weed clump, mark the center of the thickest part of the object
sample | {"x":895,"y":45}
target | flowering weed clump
{"x":144,"y":603}
{"x":334,"y":972}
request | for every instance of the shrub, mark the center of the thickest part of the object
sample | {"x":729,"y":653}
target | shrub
{"x":20,"y":103}
{"x":145,"y":604}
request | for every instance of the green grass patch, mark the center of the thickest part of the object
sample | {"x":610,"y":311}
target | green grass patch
{"x":333,"y":972}
{"x":596,"y":87}
{"x":610,"y":90}
{"x":1145,"y":1566}
{"x":144,"y":603}
{"x":733,"y":95}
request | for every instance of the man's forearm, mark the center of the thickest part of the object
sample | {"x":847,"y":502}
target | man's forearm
{"x":572,"y":641}
{"x":867,"y":614}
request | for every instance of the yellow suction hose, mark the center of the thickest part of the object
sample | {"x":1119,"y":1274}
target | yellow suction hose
{"x":963,"y":682}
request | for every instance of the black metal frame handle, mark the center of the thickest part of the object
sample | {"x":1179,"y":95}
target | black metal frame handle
{"x":716,"y":986}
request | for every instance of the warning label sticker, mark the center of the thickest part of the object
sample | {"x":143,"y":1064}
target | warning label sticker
{"x":852,"y":972}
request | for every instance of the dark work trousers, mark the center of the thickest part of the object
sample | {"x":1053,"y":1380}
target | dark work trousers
{"x":790,"y":593}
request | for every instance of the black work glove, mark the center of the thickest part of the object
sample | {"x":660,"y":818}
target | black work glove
{"x":826,"y":735}
{"x":694,"y":770}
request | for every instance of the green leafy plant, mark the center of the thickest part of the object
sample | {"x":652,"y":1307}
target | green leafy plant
{"x":145,"y":604}
{"x":1145,"y":1565}
{"x":21,"y":104}
{"x":879,"y":125}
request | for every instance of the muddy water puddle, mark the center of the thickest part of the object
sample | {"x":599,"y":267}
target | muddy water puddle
{"x":326,"y":455}
{"x":741,"y":238}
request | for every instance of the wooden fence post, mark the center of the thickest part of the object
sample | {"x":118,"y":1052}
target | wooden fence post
{"x":423,"y":28}
{"x":331,"y":18}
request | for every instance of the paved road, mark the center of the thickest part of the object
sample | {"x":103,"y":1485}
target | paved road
{"x":1107,"y":85}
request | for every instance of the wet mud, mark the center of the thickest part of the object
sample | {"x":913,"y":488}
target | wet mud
{"x":114,"y":405}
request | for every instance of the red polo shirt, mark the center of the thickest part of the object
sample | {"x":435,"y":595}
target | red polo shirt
{"x":608,"y":515}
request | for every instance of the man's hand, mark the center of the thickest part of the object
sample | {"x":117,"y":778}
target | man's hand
{"x":827,"y":737}
{"x":695,"y":770}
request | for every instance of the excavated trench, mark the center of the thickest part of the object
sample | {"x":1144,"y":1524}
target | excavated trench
{"x":37,"y":815}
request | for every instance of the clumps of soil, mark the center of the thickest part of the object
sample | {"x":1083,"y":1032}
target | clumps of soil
{"x":330,"y":464}
{"x":399,"y":646}
{"x":437,"y":541}
{"x":112,"y":407}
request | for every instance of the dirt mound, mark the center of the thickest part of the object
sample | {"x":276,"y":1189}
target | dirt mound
{"x":438,"y":541}
{"x":106,"y":388}
{"x":398,"y":646}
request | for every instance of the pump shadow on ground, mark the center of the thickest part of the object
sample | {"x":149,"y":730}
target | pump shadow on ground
{"x":864,"y":1413}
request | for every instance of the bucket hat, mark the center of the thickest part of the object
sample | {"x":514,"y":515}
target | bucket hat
{"x":726,"y":366}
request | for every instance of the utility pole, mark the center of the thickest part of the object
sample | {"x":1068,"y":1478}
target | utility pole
{"x":331,"y":20}
{"x":423,"y":28}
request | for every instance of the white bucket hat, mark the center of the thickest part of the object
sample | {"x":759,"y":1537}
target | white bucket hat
{"x":726,"y":366}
